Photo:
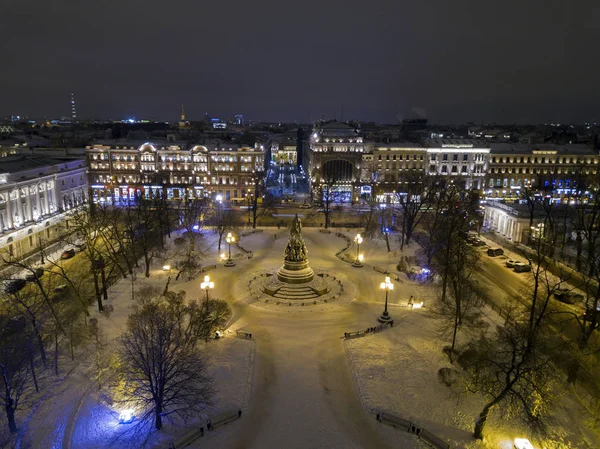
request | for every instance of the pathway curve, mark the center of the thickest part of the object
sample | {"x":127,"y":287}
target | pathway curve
{"x":303,"y":393}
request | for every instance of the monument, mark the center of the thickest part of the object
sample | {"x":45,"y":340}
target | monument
{"x":295,"y":269}
{"x":295,"y":279}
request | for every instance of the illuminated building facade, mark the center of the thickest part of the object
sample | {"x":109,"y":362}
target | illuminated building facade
{"x":35,"y":193}
{"x":464,"y":162}
{"x":559,"y":170}
{"x":173,"y":171}
{"x":334,"y":158}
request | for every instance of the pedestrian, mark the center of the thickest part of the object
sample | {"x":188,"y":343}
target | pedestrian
{"x":239,"y":413}
{"x":410,"y":301}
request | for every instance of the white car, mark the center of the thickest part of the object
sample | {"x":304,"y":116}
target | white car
{"x":305,"y":206}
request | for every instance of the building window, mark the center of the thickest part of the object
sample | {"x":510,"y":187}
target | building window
{"x":465,"y":157}
{"x":31,"y":241}
{"x":445,"y":158}
{"x":455,"y":157}
{"x":491,"y":183}
{"x":444,"y":169}
{"x":463,"y":169}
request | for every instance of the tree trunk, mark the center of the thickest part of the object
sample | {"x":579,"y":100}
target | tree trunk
{"x":40,"y":341}
{"x":32,"y":366}
{"x":158,"y":418}
{"x":98,"y":293}
{"x":56,"y":352}
{"x":104,"y":289}
{"x":147,"y":263}
{"x":10,"y":415}
{"x":480,"y":423}
{"x":387,"y":242}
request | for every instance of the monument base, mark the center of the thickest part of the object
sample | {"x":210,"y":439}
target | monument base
{"x":295,"y":272}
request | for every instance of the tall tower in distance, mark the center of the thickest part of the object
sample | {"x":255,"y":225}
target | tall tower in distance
{"x":182,"y":114}
{"x":73,"y":111}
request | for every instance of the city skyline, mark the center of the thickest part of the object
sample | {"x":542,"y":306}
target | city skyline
{"x":449,"y":63}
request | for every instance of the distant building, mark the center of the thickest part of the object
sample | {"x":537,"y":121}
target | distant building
{"x":461,"y":161}
{"x":334,"y":159}
{"x":34,"y":194}
{"x":389,"y":167}
{"x":118,"y":172}
{"x":559,"y":170}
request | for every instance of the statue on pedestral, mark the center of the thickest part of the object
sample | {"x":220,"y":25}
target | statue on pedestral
{"x":295,"y":251}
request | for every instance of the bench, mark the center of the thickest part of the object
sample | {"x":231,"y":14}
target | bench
{"x":241,"y":334}
{"x":223,"y":419}
{"x":394,"y":421}
{"x":432,"y":440}
{"x":188,"y":438}
{"x":354,"y":334}
{"x":208,"y":268}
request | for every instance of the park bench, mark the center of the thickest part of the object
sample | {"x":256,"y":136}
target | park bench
{"x":394,"y":421}
{"x":188,"y":438}
{"x":241,"y":334}
{"x":208,"y":268}
{"x":432,"y":440}
{"x":224,"y":418}
{"x":354,"y":334}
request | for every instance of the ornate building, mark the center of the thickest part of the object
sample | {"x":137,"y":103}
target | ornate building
{"x":117,"y":172}
{"x":34,"y":194}
{"x":462,"y":161}
{"x":388,"y":168}
{"x":334,"y":158}
{"x":560,"y":170}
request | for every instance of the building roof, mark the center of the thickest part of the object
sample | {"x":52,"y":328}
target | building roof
{"x":458,"y":143}
{"x":524,"y":148}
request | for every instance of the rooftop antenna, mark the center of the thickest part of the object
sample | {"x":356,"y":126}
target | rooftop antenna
{"x":73,"y":112}
{"x":182,"y":114}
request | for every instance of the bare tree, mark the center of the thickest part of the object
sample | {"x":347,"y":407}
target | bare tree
{"x":461,"y":307}
{"x":214,"y":314}
{"x":164,"y":371}
{"x":13,"y":370}
{"x":412,"y":198}
{"x":515,"y":367}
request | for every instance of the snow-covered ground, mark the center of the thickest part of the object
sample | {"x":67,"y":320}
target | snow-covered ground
{"x":299,"y":383}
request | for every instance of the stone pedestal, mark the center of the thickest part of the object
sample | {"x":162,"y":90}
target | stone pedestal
{"x":295,"y":272}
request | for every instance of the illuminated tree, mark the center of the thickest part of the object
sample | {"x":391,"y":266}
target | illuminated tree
{"x":164,"y":371}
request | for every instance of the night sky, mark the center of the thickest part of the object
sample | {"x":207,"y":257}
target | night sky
{"x":525,"y":61}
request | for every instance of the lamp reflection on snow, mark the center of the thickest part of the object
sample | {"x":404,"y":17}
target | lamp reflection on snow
{"x":523,"y":443}
{"x":126,"y":416}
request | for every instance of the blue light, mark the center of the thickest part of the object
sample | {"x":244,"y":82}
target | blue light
{"x":196,"y":227}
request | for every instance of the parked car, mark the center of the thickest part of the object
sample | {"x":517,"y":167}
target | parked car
{"x":305,"y":206}
{"x":14,"y":285}
{"x":493,"y":252}
{"x":510,"y":263}
{"x":567,"y":296}
{"x":478,"y":242}
{"x":521,"y":267}
{"x":68,"y":254}
{"x":38,"y":273}
{"x":80,"y":246}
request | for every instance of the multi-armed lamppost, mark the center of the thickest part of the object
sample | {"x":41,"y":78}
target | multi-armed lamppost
{"x":230,"y":239}
{"x":387,"y":286}
{"x":207,"y":285}
{"x":359,"y":257}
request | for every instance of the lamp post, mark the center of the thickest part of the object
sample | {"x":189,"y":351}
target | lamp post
{"x":358,"y":261}
{"x":387,"y":286}
{"x":229,"y":239}
{"x":207,"y":285}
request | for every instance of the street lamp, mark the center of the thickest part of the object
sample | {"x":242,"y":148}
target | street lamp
{"x":207,"y":285}
{"x":229,"y":239}
{"x":387,"y":286}
{"x":357,"y":262}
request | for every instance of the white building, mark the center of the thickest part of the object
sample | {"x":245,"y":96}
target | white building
{"x":34,"y":194}
{"x":466,"y":161}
